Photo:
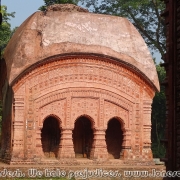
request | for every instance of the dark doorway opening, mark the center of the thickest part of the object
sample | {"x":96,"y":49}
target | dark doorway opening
{"x":50,"y":137}
{"x":82,"y":137}
{"x":114,"y":138}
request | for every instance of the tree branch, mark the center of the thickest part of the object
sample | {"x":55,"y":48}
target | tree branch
{"x":143,"y":31}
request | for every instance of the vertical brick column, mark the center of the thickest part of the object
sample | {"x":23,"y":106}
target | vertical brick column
{"x":30,"y":130}
{"x":126,"y":145}
{"x":68,"y":111}
{"x":66,"y":149}
{"x":99,"y":147}
{"x":18,"y":129}
{"x":177,"y":87}
{"x":39,"y":149}
{"x":146,"y":151}
{"x":170,"y":65}
{"x":137,"y":133}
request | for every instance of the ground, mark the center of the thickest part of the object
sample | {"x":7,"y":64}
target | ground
{"x":62,"y":172}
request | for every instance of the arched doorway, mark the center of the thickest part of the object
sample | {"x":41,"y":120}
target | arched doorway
{"x":114,"y":138}
{"x":82,"y":137}
{"x":50,"y":137}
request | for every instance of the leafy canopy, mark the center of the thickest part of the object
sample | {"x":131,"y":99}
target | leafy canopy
{"x":5,"y":28}
{"x":158,"y":117}
{"x":5,"y":35}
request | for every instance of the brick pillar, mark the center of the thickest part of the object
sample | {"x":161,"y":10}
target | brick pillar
{"x":66,"y":148}
{"x":99,"y":147}
{"x":30,"y":130}
{"x":39,"y":149}
{"x":126,"y":151}
{"x":146,"y":152}
{"x":18,"y":129}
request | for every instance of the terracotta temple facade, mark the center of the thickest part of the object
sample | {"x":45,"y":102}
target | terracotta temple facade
{"x":78,"y":85}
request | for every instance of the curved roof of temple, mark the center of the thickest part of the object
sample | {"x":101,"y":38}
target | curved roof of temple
{"x":68,"y":29}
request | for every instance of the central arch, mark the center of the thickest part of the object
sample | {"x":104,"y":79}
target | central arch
{"x":114,"y":138}
{"x":82,"y":137}
{"x":50,"y":137}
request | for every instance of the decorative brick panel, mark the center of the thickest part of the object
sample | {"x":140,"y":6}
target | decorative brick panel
{"x":99,"y":90}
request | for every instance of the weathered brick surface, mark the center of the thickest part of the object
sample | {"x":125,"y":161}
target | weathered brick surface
{"x":59,"y":32}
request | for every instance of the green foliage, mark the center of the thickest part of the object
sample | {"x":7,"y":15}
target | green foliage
{"x":5,"y":15}
{"x":144,"y":14}
{"x":159,"y":117}
{"x":51,"y":2}
{"x":5,"y":28}
{"x":5,"y":35}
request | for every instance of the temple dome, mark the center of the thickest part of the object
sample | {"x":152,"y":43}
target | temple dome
{"x":68,"y":29}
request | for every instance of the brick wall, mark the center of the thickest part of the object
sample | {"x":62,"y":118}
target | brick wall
{"x":177,"y":87}
{"x":172,"y":83}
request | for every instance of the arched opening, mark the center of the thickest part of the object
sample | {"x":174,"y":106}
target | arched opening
{"x":50,"y":137}
{"x":82,"y":137}
{"x":114,"y":138}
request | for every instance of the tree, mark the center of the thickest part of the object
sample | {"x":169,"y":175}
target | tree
{"x":5,"y":35}
{"x":51,"y":2}
{"x":158,"y":117}
{"x":144,"y":14}
{"x":5,"y":28}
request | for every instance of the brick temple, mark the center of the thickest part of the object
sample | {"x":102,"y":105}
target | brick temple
{"x":77,"y":85}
